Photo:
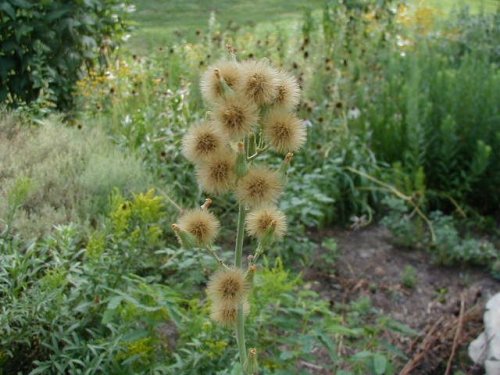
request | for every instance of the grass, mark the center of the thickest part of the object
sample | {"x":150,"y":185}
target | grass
{"x":158,"y":21}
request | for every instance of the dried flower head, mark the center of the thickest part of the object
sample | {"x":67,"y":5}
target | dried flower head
{"x":217,"y":175}
{"x":202,"y":141}
{"x":210,"y":83}
{"x":201,"y":224}
{"x":284,"y":131}
{"x":227,"y":286}
{"x":259,"y":82}
{"x":259,"y":186}
{"x":266,"y":221}
{"x":287,"y":92}
{"x":236,"y":116}
{"x":226,"y":314}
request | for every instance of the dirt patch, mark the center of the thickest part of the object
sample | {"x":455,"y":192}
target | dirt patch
{"x":369,"y":264}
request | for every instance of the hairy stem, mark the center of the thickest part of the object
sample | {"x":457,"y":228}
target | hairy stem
{"x":216,"y":257}
{"x":238,"y":253}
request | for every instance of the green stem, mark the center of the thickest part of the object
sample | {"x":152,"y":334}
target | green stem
{"x":238,"y":253}
{"x":258,"y":253}
{"x":216,"y":257}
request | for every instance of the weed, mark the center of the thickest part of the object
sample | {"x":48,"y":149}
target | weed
{"x":409,"y":277}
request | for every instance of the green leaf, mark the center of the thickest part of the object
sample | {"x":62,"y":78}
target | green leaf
{"x":362,"y":355}
{"x":22,"y":4}
{"x":58,"y":13}
{"x":22,"y":30}
{"x":286,"y":355}
{"x":338,"y":329}
{"x":6,"y":65}
{"x":237,"y":369}
{"x":108,"y":316}
{"x":7,"y":8}
{"x":379,"y":364}
{"x":114,"y":302}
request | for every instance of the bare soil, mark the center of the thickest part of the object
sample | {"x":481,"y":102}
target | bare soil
{"x":445,"y":304}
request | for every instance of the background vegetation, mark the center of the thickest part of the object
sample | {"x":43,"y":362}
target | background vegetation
{"x":402,"y":103}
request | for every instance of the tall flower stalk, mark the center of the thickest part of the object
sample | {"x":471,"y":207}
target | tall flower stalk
{"x":252,"y":108}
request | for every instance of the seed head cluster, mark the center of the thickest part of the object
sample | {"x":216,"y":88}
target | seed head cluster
{"x":252,"y":108}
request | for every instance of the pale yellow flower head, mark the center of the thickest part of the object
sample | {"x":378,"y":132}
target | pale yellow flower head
{"x":259,"y":82}
{"x":287,"y":92}
{"x":284,"y":131}
{"x":226,"y":314}
{"x":217,"y":175}
{"x":203,"y":141}
{"x":236,"y":116}
{"x":228,"y":286}
{"x":266,"y":221}
{"x":201,"y":224}
{"x":260,"y":186}
{"x":211,"y":85}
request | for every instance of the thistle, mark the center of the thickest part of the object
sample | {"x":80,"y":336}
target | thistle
{"x":203,"y":141}
{"x":252,"y":106}
{"x":213,"y":81}
{"x":228,"y":286}
{"x":259,"y":82}
{"x":236,"y":115}
{"x":284,"y":131}
{"x":259,"y":186}
{"x":217,"y":175}
{"x":201,"y":224}
{"x":267,"y":221}
{"x":287,"y":93}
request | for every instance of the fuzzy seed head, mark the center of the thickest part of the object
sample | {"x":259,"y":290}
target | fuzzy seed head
{"x":227,"y":286}
{"x":210,"y":84}
{"x":236,"y":116}
{"x":260,"y":186}
{"x":287,"y":92}
{"x":260,"y":82}
{"x":217,"y":175}
{"x":202,"y":224}
{"x":202,"y":141}
{"x":266,"y":220}
{"x":226,"y":314}
{"x":283,"y":131}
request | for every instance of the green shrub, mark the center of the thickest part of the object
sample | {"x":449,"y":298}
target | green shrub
{"x":436,"y":107}
{"x":53,"y":174}
{"x":45,"y":44}
{"x":451,"y":248}
{"x":447,"y":245}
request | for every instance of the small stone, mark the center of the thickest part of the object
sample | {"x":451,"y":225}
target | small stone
{"x":485,"y":350}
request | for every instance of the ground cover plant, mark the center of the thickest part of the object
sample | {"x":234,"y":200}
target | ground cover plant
{"x":400,"y":104}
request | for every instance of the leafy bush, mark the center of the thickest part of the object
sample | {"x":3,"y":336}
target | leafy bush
{"x":436,"y":107}
{"x":45,"y":44}
{"x":53,"y":174}
{"x":446,"y":244}
{"x":76,"y":304}
{"x":451,"y":248}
